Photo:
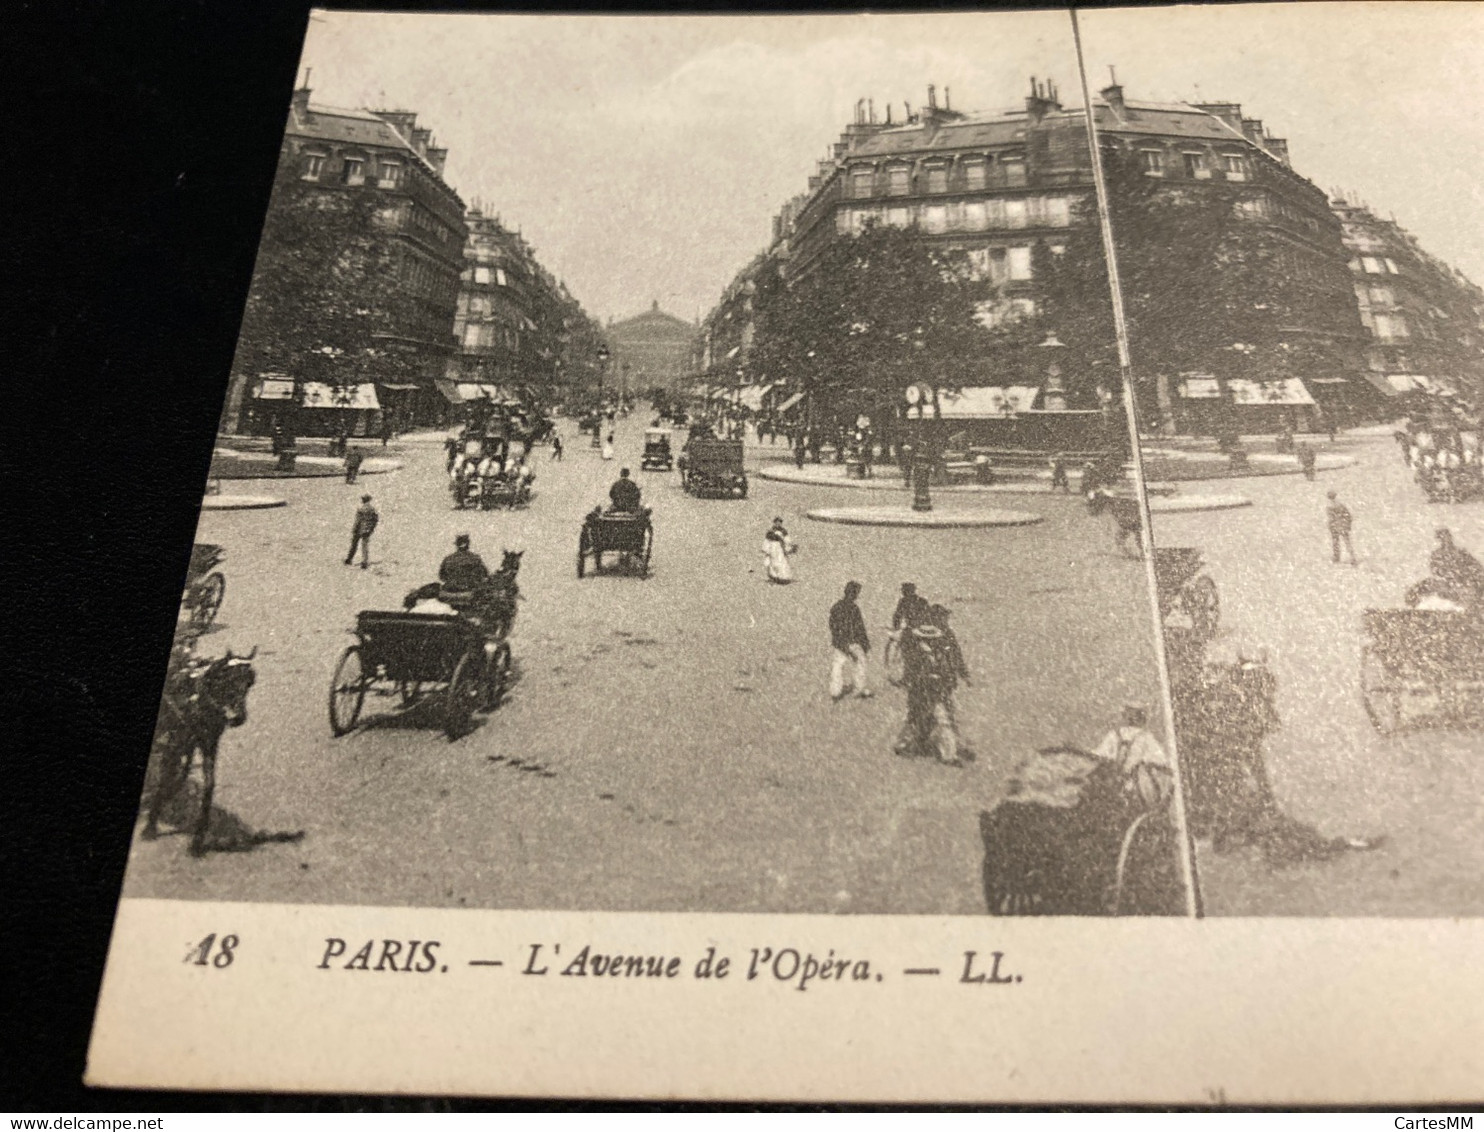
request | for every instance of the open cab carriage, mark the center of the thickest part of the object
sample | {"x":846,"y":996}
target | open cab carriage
{"x":657,"y":455}
{"x":1456,"y":483}
{"x":713,"y":468}
{"x":1076,"y":837}
{"x":412,"y":655}
{"x":1422,"y":666}
{"x":629,"y":534}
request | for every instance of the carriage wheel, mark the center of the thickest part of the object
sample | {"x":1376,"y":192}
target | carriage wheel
{"x":1202,"y":602}
{"x":497,"y":677}
{"x":1379,"y":690}
{"x":347,"y":691}
{"x":209,"y":594}
{"x":409,"y":690}
{"x":465,"y":693}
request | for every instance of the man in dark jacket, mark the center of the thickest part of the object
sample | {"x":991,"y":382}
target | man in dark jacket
{"x":624,"y":494}
{"x":912,"y":608}
{"x":360,"y":532}
{"x":461,"y":572}
{"x":851,"y":644}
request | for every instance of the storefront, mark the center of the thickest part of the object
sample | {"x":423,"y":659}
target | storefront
{"x":1014,"y":418}
{"x":1254,"y":406}
{"x":281,"y":405}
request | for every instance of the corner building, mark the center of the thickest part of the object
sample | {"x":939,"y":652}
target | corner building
{"x":995,"y":185}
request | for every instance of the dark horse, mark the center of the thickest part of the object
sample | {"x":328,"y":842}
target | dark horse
{"x":491,"y":603}
{"x":1126,"y":515}
{"x":201,"y":701}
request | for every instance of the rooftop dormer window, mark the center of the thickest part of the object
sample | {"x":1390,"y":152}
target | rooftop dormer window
{"x":354,"y":171}
{"x":389,"y":174}
{"x":975,"y":170}
{"x":862,"y":182}
{"x":1234,"y":165}
{"x":899,"y":180}
{"x":937,"y":178}
{"x":314,"y":165}
{"x":1153,"y":162}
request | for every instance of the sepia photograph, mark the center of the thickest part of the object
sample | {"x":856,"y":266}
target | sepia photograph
{"x":987,"y":465}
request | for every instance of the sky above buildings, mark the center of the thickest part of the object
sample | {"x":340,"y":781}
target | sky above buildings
{"x":644,"y":157}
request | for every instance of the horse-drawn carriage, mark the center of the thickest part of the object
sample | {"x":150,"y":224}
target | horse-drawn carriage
{"x":409,"y":655}
{"x":657,"y":455}
{"x":1422,"y":665}
{"x":1073,"y":839}
{"x":205,"y":585}
{"x":484,"y":474}
{"x":629,"y":534}
{"x":710,"y":467}
{"x":1181,"y":585}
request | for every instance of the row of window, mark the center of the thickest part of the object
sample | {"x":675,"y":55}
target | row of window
{"x":938,"y":176}
{"x":1375,"y":265}
{"x":484,"y":276}
{"x":478,"y":335}
{"x":1194,"y":163}
{"x":384,"y":172}
{"x":1001,"y":265}
{"x":965,"y":216}
{"x":420,"y":277}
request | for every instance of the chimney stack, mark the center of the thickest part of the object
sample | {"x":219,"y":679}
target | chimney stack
{"x":932,"y":97}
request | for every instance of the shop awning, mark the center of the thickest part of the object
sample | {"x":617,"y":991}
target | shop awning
{"x":790,"y":403}
{"x":752,"y":396}
{"x":1200,"y":387}
{"x":318,"y":395}
{"x":1284,"y":391}
{"x":399,"y":386}
{"x":985,"y":401}
{"x":460,"y":392}
{"x":275,"y":389}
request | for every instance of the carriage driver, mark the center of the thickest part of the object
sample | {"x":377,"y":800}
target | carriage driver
{"x":624,"y":495}
{"x":1139,"y":755}
{"x":461,"y":573}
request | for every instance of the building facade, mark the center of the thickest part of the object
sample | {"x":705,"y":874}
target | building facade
{"x":1424,"y":320}
{"x":1005,"y":189}
{"x":357,"y":279}
{"x":649,"y":350}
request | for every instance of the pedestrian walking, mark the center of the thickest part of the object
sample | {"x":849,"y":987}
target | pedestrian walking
{"x":556,"y":447}
{"x":932,"y":665}
{"x":1340,"y":521}
{"x":1305,"y":452}
{"x":850,"y":643}
{"x":608,"y":447}
{"x":353,"y":460}
{"x":360,"y":532}
{"x":912,"y":609}
{"x":777,"y":547}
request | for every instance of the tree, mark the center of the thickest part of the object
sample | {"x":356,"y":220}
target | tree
{"x":878,"y":312}
{"x":1208,"y":285}
{"x":325,"y":281}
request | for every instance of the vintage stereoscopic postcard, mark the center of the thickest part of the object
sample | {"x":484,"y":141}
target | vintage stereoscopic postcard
{"x":881,"y":558}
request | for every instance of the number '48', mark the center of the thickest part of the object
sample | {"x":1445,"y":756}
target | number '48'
{"x":210,"y":953}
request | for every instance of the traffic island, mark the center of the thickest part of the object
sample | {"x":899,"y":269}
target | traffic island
{"x":263,"y":466}
{"x":906,"y":517}
{"x":1173,"y":504}
{"x":240,"y":502}
{"x":890,"y":479}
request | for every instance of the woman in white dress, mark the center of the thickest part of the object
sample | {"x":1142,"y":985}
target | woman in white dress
{"x":608,"y":447}
{"x":777,"y":547}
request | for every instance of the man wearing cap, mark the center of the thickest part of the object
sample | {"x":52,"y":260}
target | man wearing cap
{"x":850,"y":642}
{"x":461,"y":572}
{"x":932,"y":665}
{"x":624,"y":495}
{"x":360,"y":532}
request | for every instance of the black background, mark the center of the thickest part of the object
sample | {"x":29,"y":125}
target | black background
{"x":143,"y":137}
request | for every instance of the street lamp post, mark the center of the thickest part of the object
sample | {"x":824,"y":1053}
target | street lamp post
{"x":918,"y":398}
{"x":602,"y":370}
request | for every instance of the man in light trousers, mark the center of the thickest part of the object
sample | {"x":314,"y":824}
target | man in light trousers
{"x":850,"y":642}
